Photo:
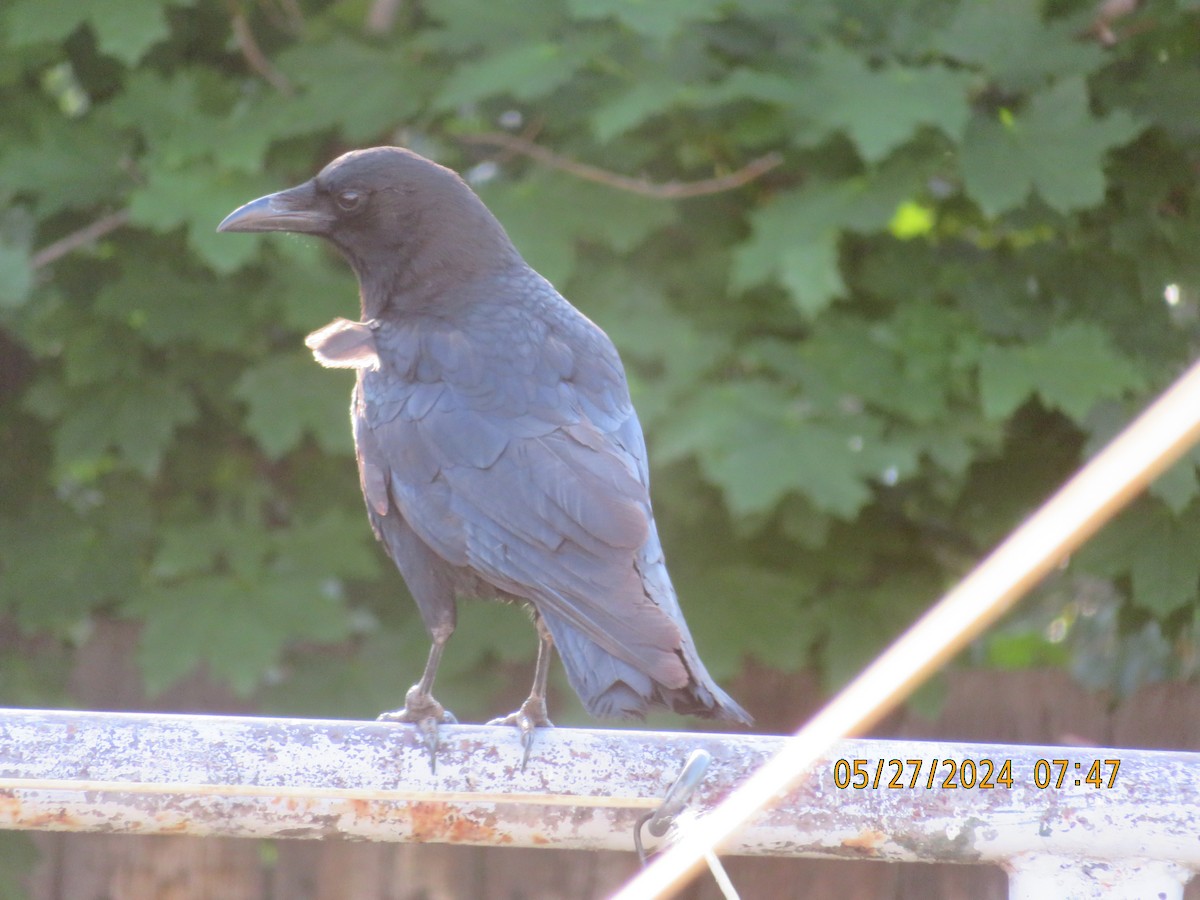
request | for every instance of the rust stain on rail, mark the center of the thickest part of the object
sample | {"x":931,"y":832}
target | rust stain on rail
{"x":869,"y":840}
{"x":444,"y":822}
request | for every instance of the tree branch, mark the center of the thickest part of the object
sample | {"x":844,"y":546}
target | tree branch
{"x":382,"y":16}
{"x":76,"y":239}
{"x":670,"y":190}
{"x":1108,"y":13}
{"x":255,"y":58}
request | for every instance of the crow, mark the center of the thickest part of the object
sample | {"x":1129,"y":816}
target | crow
{"x":498,"y":451}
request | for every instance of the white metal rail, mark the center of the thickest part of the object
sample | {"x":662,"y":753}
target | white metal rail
{"x":1066,"y":822}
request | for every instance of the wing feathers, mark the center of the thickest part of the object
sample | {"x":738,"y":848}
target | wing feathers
{"x":523,"y":479}
{"x":626,"y":622}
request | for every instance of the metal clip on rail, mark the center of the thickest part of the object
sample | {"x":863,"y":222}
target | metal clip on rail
{"x":660,"y":820}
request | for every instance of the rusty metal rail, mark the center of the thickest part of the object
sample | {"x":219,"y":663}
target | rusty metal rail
{"x":1065,"y":821}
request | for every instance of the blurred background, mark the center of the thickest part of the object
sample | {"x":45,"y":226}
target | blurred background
{"x":883,"y":275}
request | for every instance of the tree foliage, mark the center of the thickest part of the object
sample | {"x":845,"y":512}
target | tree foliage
{"x":857,"y":369}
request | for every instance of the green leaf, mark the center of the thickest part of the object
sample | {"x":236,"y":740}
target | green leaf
{"x":364,"y":90}
{"x":199,"y":197}
{"x":57,"y":566}
{"x":210,"y":313}
{"x":135,"y":419}
{"x":907,"y":365}
{"x":751,"y":84}
{"x":1023,"y":650}
{"x":278,"y":585}
{"x":238,"y":627}
{"x":549,"y":215}
{"x":461,"y":25}
{"x":1056,"y":147}
{"x":64,"y":163}
{"x":984,"y":33}
{"x":527,"y":71}
{"x":630,"y":109}
{"x":795,"y":241}
{"x":754,"y":442}
{"x":1074,"y":368}
{"x":1180,"y":484}
{"x":775,"y":620}
{"x":99,"y":355}
{"x":880,"y":613}
{"x":337,"y":543}
{"x":879,"y":108}
{"x":217,"y":543}
{"x":1165,"y":94}
{"x":912,"y":220}
{"x":1166,"y":573}
{"x":660,"y":19}
{"x":342,"y":685}
{"x":192,"y":115}
{"x":832,"y":464}
{"x":795,"y":238}
{"x":290,"y":395}
{"x":334,"y":544}
{"x":310,"y":286}
{"x":124,"y":29}
{"x":1157,"y":549}
{"x":16,"y":274}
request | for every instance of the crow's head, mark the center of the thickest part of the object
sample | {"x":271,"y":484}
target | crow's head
{"x":398,"y":218}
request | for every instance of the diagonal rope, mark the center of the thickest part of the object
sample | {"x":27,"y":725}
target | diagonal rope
{"x":1103,"y":486}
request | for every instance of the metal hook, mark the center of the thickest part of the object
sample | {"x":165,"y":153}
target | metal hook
{"x":677,"y":798}
{"x":678,"y":795}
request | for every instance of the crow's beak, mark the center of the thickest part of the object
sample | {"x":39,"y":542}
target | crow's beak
{"x":290,"y":210}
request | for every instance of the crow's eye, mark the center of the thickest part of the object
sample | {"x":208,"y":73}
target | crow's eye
{"x":349,"y":200}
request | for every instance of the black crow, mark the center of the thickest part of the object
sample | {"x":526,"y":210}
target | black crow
{"x":498,"y":450}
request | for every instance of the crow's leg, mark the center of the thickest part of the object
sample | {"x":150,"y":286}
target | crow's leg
{"x":532,"y":713}
{"x":420,"y":707}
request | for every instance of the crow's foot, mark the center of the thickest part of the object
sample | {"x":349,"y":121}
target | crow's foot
{"x":422,"y":710}
{"x":531,"y":715}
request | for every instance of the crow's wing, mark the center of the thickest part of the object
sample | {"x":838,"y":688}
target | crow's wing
{"x":506,"y":445}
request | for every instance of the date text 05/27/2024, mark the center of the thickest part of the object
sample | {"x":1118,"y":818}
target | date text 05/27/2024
{"x":971,"y":774}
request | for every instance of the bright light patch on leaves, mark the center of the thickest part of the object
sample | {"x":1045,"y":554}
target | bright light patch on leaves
{"x":911,"y":220}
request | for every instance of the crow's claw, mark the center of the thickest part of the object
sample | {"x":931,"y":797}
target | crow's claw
{"x":427,"y":714}
{"x":531,"y":715}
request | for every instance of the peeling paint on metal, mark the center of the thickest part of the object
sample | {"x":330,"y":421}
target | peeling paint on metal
{"x":212,"y":775}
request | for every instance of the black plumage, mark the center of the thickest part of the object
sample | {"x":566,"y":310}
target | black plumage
{"x":498,"y":450}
